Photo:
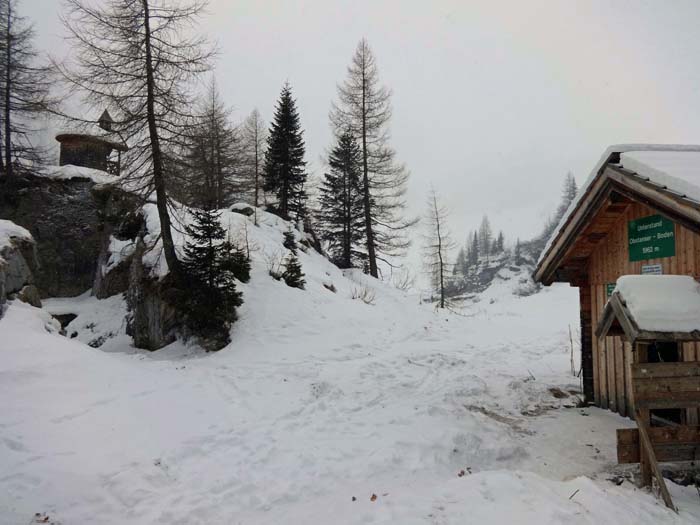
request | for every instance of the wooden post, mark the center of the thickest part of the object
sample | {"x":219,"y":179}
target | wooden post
{"x":650,"y":460}
{"x":586,"y":314}
{"x":641,"y":355}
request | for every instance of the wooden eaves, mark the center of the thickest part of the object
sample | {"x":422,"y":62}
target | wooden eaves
{"x":611,"y":180}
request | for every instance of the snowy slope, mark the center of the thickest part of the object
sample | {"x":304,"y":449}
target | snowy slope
{"x":320,"y":402}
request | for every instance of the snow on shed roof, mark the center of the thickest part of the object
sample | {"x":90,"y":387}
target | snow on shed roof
{"x":678,"y":171}
{"x":662,"y":303}
{"x":672,"y":166}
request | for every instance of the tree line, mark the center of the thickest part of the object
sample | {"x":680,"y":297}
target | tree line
{"x":142,"y":59}
{"x":449,"y":277}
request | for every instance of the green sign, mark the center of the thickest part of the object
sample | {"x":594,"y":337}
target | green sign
{"x":651,"y":238}
{"x":609,"y":289}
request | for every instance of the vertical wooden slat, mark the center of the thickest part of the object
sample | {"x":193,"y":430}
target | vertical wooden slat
{"x":586,"y":342}
{"x":643,"y":418}
{"x":620,"y":377}
{"x":690,"y":353}
{"x":594,"y":343}
{"x":610,"y":355}
{"x":629,"y":359}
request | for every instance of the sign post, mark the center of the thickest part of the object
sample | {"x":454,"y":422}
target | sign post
{"x":651,"y":237}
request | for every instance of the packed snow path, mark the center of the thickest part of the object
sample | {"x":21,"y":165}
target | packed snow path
{"x":323,"y":409}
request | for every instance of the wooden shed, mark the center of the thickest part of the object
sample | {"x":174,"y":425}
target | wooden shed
{"x":92,"y":146}
{"x":638,"y":213}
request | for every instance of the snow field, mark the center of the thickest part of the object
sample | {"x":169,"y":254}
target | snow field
{"x":320,"y":398}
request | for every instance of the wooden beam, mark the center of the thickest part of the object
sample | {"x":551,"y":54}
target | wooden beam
{"x":667,"y":370}
{"x":648,"y":449}
{"x":677,"y":443}
{"x":623,"y":317}
{"x":666,"y":385}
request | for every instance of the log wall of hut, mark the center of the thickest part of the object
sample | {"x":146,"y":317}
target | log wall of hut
{"x":84,"y":153}
{"x":608,"y":261}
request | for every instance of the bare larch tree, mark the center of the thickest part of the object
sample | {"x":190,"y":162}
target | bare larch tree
{"x":213,"y":158}
{"x":24,"y":88}
{"x":364,"y":108}
{"x":254,"y":140}
{"x":437,"y":244}
{"x":139,"y":58}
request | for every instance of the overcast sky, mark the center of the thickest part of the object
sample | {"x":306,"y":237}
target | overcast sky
{"x":493,"y":101}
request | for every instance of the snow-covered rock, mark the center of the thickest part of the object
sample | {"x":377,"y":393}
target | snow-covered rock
{"x":16,"y":264}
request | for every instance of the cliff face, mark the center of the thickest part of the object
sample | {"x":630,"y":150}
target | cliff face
{"x":71,"y":221}
{"x":63,"y":218}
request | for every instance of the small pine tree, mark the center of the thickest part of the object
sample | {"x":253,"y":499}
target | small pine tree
{"x":293,"y":275}
{"x":211,"y":281}
{"x":474,"y":252}
{"x":568,"y":194}
{"x":499,"y":243}
{"x":236,"y":261}
{"x":285,"y":169}
{"x":460,"y":262}
{"x":485,"y":236}
{"x":517,"y":255}
{"x":290,"y":241}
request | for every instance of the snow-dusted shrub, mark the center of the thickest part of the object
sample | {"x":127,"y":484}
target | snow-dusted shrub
{"x":292,"y":275}
{"x":273,"y":261}
{"x":364,"y":294}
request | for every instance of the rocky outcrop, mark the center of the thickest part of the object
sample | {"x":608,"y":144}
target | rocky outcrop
{"x":17,"y":265}
{"x":152,"y":320}
{"x":121,"y":223}
{"x":69,"y":220}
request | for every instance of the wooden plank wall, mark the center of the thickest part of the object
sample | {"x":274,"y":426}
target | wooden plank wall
{"x":612,"y":356}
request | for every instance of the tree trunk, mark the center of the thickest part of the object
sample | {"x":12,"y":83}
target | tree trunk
{"x":257,"y":183}
{"x":371,"y":253}
{"x":8,"y":87}
{"x":158,"y":174}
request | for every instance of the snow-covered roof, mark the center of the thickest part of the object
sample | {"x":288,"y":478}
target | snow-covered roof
{"x":662,"y":303}
{"x":678,"y":171}
{"x":93,"y":131}
{"x":68,"y":172}
{"x":672,"y":167}
{"x":652,"y":308}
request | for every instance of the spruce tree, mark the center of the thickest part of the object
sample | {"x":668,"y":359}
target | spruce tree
{"x":341,"y":213}
{"x":568,"y":194}
{"x":209,"y":264}
{"x":460,"y":263}
{"x":499,"y":243}
{"x":474,"y":252}
{"x":292,"y":274}
{"x":517,"y":254}
{"x":290,"y":241}
{"x":285,"y":169}
{"x":485,"y":236}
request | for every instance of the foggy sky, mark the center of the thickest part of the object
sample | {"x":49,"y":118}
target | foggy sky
{"x":493,"y":101}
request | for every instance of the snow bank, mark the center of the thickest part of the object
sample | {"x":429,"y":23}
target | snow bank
{"x":320,"y":401}
{"x":662,"y":303}
{"x":69,"y":172}
{"x":9,"y":230}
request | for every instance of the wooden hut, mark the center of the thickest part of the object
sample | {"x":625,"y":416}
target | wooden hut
{"x":637,"y":214}
{"x":92,"y":147}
